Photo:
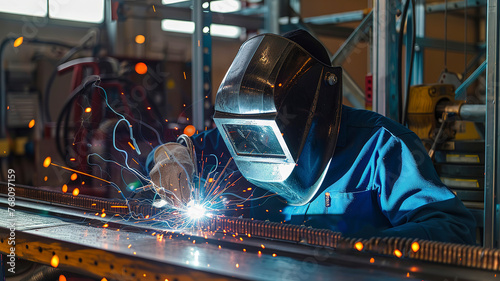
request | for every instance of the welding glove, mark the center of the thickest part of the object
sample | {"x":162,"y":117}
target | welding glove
{"x":173,"y":172}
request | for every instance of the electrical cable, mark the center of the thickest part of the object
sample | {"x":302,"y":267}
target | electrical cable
{"x":400,"y":59}
{"x":465,"y":40}
{"x":65,"y":113}
{"x":412,"y":58}
{"x":63,"y":120}
{"x":446,"y":35}
{"x":46,"y":117}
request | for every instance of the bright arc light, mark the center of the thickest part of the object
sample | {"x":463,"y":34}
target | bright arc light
{"x":220,"y":30}
{"x":218,"y":6}
{"x":195,"y":211}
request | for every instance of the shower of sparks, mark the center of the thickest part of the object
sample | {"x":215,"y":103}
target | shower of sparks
{"x":207,"y":198}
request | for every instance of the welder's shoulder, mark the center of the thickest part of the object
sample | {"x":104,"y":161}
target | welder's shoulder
{"x":373,"y":122}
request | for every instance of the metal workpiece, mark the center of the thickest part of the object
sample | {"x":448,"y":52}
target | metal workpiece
{"x":273,"y":230}
{"x":223,"y":247}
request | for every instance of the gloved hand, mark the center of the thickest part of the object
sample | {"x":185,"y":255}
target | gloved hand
{"x":173,"y":172}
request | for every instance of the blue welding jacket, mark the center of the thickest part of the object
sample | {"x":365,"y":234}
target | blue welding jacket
{"x":380,"y":183}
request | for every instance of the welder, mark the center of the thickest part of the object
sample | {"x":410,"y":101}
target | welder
{"x":279,"y":115}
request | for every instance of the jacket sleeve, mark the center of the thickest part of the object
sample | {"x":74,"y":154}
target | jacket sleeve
{"x":413,"y":198}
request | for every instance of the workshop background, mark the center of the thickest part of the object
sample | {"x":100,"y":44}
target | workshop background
{"x":161,"y":74}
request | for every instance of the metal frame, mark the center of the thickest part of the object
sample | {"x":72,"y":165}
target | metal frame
{"x":492,"y":154}
{"x":418,"y":60}
{"x":359,"y":34}
{"x":338,"y":18}
{"x":271,"y":22}
{"x":131,"y":9}
{"x":201,"y":64}
{"x":453,"y":5}
{"x":385,"y":99}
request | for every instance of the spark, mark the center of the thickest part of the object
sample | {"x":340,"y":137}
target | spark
{"x":415,"y":247}
{"x":65,"y":188}
{"x":74,"y":176}
{"x":140,"y":39}
{"x":131,"y":145}
{"x":32,"y":123}
{"x":141,"y":68}
{"x":88,"y":110}
{"x":359,"y":246}
{"x":82,"y":173}
{"x":18,"y":42}
{"x":54,"y":261}
{"x":76,"y":191}
{"x":47,"y":162}
{"x":398,"y":253}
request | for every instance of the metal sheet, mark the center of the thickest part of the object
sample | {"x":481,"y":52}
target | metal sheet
{"x":126,"y":255}
{"x":124,"y":252}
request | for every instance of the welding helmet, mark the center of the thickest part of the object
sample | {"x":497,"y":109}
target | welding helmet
{"x":278,"y":110}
